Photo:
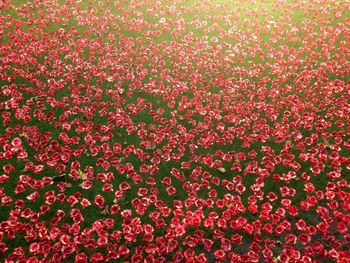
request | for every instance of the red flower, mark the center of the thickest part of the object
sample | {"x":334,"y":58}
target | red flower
{"x":99,"y":201}
{"x":272,"y":196}
{"x":220,"y":255}
{"x":150,"y":181}
{"x":309,"y":187}
{"x":65,"y":239}
{"x":236,"y":167}
{"x":34,"y":248}
{"x":222,"y":223}
{"x":207,"y":243}
{"x":201,"y":258}
{"x":136,"y":258}
{"x":102,"y":241}
{"x":190,"y":241}
{"x":180,"y":230}
{"x":16,"y":142}
{"x":172,"y":245}
{"x":123,"y":251}
{"x":124,"y":186}
{"x":67,"y":250}
{"x":85,"y":203}
{"x":166,"y":181}
{"x":178,"y":257}
{"x":304,"y":238}
{"x":107,"y":187}
{"x":189,"y":254}
{"x":97,"y":258}
{"x":144,"y":168}
{"x":142,"y":192}
{"x":286,"y":202}
{"x":74,"y":229}
{"x":136,"y":179}
{"x":4,"y":178}
{"x":342,"y":227}
{"x":225,"y":244}
{"x":249,"y":229}
{"x":323,"y":212}
{"x":8,"y":168}
{"x":240,"y":188}
{"x":171,"y":190}
{"x":81,"y":258}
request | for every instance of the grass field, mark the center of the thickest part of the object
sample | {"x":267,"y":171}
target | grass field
{"x":174,"y":131}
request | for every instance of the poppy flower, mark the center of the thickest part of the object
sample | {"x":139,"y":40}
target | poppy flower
{"x":304,"y":238}
{"x":220,"y":255}
{"x":97,"y":258}
{"x":144,"y":168}
{"x":207,"y":243}
{"x":222,"y":223}
{"x":150,"y":181}
{"x":225,"y":244}
{"x":81,"y":258}
{"x":99,"y":201}
{"x":34,"y":248}
{"x":136,"y":178}
{"x":16,"y":142}
{"x":4,"y":178}
{"x":240,"y":188}
{"x":8,"y":168}
{"x":185,"y":165}
{"x":166,"y":181}
{"x":178,"y":257}
{"x":85,"y":202}
{"x":190,"y":241}
{"x":180,"y":230}
{"x":107,"y":187}
{"x":124,"y":186}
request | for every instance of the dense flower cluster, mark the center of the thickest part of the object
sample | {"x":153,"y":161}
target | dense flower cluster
{"x":174,"y":131}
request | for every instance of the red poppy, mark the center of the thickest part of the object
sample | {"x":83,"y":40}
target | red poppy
{"x":144,"y":168}
{"x":166,"y":181}
{"x":4,"y":178}
{"x":222,"y":223}
{"x":99,"y":201}
{"x":225,"y":244}
{"x":136,"y":179}
{"x":207,"y":243}
{"x":219,"y":255}
{"x":136,"y":258}
{"x":8,"y":168}
{"x":97,"y":258}
{"x":16,"y":142}
{"x":304,"y":238}
{"x":124,"y":186}
{"x":190,"y":241}
{"x":172,"y":245}
{"x":107,"y":187}
{"x":150,"y":181}
{"x":267,"y":228}
{"x":34,"y":248}
{"x":178,"y":257}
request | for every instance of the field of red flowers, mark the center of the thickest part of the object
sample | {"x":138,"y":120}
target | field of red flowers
{"x":174,"y":131}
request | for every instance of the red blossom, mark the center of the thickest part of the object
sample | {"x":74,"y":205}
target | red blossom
{"x":99,"y":201}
